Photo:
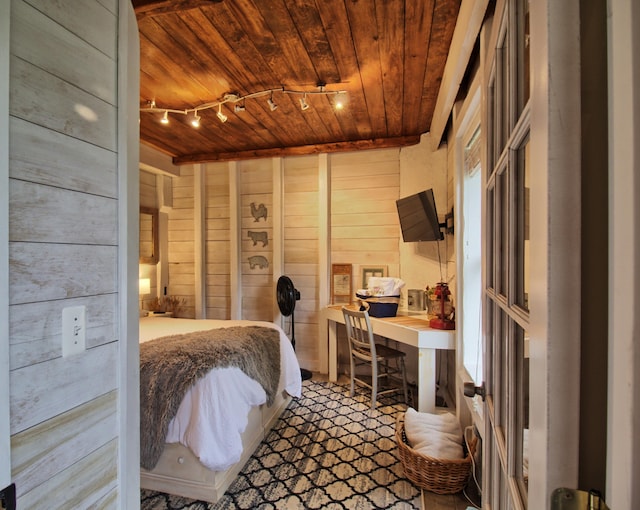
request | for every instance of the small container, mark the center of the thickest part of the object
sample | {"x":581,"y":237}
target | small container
{"x":381,"y":306}
{"x":415,"y":300}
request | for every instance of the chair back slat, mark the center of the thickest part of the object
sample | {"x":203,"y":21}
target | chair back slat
{"x":359,"y":333}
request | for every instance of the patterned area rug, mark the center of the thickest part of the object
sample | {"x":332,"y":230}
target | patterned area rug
{"x":327,"y":451}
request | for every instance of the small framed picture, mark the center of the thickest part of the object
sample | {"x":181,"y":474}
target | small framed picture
{"x":369,"y":271}
{"x":341,"y":283}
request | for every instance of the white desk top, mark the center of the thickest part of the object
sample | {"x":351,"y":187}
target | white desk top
{"x":410,"y":328}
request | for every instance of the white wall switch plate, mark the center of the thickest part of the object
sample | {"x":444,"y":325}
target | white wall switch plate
{"x":73,"y":330}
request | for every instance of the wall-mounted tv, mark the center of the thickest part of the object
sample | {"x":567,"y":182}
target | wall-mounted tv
{"x":419,"y":217}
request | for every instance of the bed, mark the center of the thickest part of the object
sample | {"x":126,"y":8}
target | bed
{"x":222,"y":418}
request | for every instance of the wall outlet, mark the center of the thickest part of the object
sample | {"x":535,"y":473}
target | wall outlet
{"x":73,"y":330}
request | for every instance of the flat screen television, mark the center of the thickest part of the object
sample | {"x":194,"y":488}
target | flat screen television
{"x":419,"y":217}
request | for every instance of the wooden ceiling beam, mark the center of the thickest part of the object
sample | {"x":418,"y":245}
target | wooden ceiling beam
{"x":358,"y":145}
{"x":144,"y":8}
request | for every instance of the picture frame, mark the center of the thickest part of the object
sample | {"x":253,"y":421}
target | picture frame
{"x":341,"y":281}
{"x":368,"y":271}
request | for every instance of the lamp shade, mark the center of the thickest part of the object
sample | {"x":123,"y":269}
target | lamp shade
{"x":145,"y":286}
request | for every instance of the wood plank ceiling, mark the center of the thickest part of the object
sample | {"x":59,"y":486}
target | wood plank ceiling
{"x":387,"y":55}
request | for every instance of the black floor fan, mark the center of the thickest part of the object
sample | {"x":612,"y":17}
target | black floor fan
{"x":287,"y":295}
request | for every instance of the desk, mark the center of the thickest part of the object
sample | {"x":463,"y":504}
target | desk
{"x":406,"y":329}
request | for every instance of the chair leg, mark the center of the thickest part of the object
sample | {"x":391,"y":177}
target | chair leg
{"x":404,"y":381}
{"x":353,"y":378}
{"x":374,"y":384}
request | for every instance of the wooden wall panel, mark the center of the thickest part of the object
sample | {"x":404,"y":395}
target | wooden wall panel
{"x":63,"y":224}
{"x":364,"y":218}
{"x":35,"y":399}
{"x":181,"y":242}
{"x":40,"y":155}
{"x":90,"y":68}
{"x":47,"y":214}
{"x":35,"y":328}
{"x":88,"y":483}
{"x":56,"y":104}
{"x":301,"y":245}
{"x":217,"y":241}
{"x":148,"y":190}
{"x":93,"y":22}
{"x":66,"y":437}
{"x":256,"y":187}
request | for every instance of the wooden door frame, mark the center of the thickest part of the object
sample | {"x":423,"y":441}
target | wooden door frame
{"x":555,"y":255}
{"x":5,"y":434}
{"x":128,"y":248}
{"x":623,"y":443}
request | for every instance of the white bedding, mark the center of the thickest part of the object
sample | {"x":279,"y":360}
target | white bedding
{"x":213,"y":414}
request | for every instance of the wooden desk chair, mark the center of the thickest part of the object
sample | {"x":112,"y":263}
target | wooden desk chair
{"x":364,"y":351}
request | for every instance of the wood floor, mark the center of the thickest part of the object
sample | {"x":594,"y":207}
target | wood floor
{"x":430,"y":500}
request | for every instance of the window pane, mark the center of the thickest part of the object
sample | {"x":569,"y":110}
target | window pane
{"x":522,"y":226}
{"x":491,"y":237}
{"x":503,"y":235}
{"x":522,"y":411}
{"x":472,"y":260}
{"x":523,"y":53}
{"x":501,"y":102}
{"x":505,"y":331}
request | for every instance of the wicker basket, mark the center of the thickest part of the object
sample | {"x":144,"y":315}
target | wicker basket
{"x":441,"y":476}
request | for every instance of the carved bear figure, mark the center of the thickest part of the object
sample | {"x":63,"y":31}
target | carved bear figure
{"x":258,"y":260}
{"x":257,"y":237}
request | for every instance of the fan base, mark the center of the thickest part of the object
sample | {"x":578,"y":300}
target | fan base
{"x":305,"y":374}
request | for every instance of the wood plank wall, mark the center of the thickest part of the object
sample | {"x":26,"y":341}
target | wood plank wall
{"x":148,"y":198}
{"x":301,"y":255}
{"x":364,"y":232}
{"x":256,"y":187}
{"x":364,"y":219}
{"x":181,"y":242}
{"x":217,"y":241}
{"x":63,"y":227}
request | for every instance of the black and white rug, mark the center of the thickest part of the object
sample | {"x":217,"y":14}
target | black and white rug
{"x":327,"y":451}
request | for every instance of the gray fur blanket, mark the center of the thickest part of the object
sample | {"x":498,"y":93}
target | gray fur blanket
{"x":170,"y":365}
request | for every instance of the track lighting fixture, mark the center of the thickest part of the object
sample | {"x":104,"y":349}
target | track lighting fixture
{"x":272,"y":105}
{"x":195,"y":121}
{"x":239,"y":103}
{"x":220,"y":115}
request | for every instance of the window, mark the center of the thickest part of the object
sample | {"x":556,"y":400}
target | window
{"x":506,"y":284}
{"x":471,"y":214}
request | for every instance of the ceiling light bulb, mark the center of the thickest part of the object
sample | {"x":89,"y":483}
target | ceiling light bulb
{"x":165,"y":118}
{"x":221,"y":116}
{"x":341,"y":98}
{"x":195,"y":122}
{"x":303,"y":103}
{"x":272,"y":105}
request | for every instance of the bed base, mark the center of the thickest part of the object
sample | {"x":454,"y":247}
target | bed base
{"x":180,"y":472}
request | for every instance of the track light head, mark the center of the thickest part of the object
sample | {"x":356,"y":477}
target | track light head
{"x":238,"y":108}
{"x":220,"y":115}
{"x":271,"y":104}
{"x":340,"y":100}
{"x":195,"y":121}
{"x":303,"y":103}
{"x":165,"y":118}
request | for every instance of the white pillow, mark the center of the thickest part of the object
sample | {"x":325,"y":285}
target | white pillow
{"x":436,"y":435}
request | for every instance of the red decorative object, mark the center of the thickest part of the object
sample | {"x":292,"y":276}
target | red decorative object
{"x":444,"y":319}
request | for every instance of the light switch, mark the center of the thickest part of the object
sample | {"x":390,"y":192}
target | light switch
{"x":73,"y":330}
